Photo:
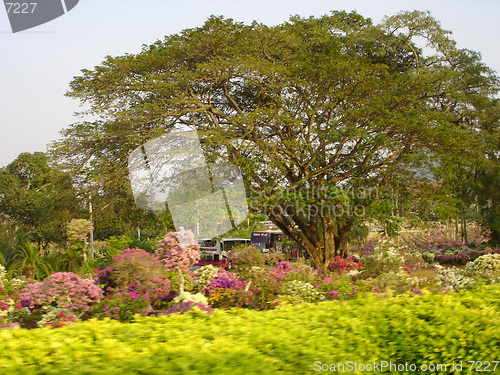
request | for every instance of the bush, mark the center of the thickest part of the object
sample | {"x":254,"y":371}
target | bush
{"x":138,"y":269}
{"x":244,"y":258}
{"x":386,"y":257}
{"x":123,"y":304}
{"x":486,"y":265}
{"x":454,"y":278}
{"x":343,"y":265}
{"x":304,"y":291}
{"x":65,"y":290}
{"x":427,"y":329}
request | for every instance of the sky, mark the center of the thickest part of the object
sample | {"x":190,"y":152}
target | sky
{"x":37,"y":65}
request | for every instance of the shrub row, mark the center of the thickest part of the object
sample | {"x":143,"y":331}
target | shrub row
{"x":427,"y":329}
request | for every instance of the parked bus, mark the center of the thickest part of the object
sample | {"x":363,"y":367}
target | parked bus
{"x":215,"y":251}
{"x":265,"y":240}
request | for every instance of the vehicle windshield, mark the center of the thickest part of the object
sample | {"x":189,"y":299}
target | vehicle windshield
{"x":261,"y":237}
{"x":207,"y":243}
{"x":230,"y":244}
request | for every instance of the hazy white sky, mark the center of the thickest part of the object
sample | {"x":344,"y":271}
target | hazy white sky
{"x":36,"y":65}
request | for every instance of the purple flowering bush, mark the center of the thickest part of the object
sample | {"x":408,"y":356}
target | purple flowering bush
{"x":462,"y":258}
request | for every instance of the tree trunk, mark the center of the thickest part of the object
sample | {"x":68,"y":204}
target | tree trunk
{"x":341,"y":242}
{"x":181,"y":281}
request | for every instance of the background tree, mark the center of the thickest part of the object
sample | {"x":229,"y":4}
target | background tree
{"x":320,"y":113}
{"x":37,"y":199}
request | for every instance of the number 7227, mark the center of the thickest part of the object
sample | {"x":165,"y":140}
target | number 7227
{"x":21,"y":8}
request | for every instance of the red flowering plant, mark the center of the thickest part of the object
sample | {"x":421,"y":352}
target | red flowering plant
{"x":343,"y":265}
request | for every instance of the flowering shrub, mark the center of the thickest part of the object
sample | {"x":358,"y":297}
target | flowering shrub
{"x":453,"y":278}
{"x":304,"y":291}
{"x":386,"y":257}
{"x":57,"y":317}
{"x":222,"y":298}
{"x":437,"y":241}
{"x":203,"y":276}
{"x":138,"y":268}
{"x":224,"y":282}
{"x":462,"y":258}
{"x":287,"y":271}
{"x":123,"y":305}
{"x":178,"y":250}
{"x":486,"y":265}
{"x":428,"y":257}
{"x":63,"y":289}
{"x":243,"y":258}
{"x":339,"y":288}
{"x":343,"y":265}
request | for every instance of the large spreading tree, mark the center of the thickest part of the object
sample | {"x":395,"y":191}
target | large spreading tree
{"x":321,"y":114}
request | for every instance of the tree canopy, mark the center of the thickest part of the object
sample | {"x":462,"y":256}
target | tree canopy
{"x":321,"y":114}
{"x":38,"y":199}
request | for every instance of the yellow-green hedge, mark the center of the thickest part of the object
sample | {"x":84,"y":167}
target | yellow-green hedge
{"x":429,"y":329}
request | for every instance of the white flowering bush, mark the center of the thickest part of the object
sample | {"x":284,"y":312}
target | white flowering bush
{"x":204,"y":275}
{"x":189,"y":297}
{"x":453,"y":278}
{"x":303,"y":290}
{"x":487,"y":265}
{"x":386,"y":257}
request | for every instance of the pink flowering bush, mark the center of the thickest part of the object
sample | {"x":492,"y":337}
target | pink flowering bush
{"x":288,"y":271}
{"x":64,"y":290}
{"x":438,"y":241}
{"x":178,"y":251}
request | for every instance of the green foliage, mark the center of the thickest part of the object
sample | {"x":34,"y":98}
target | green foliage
{"x":244,"y":258}
{"x":115,"y":245}
{"x":38,"y":198}
{"x":28,"y":261}
{"x":428,"y":329}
